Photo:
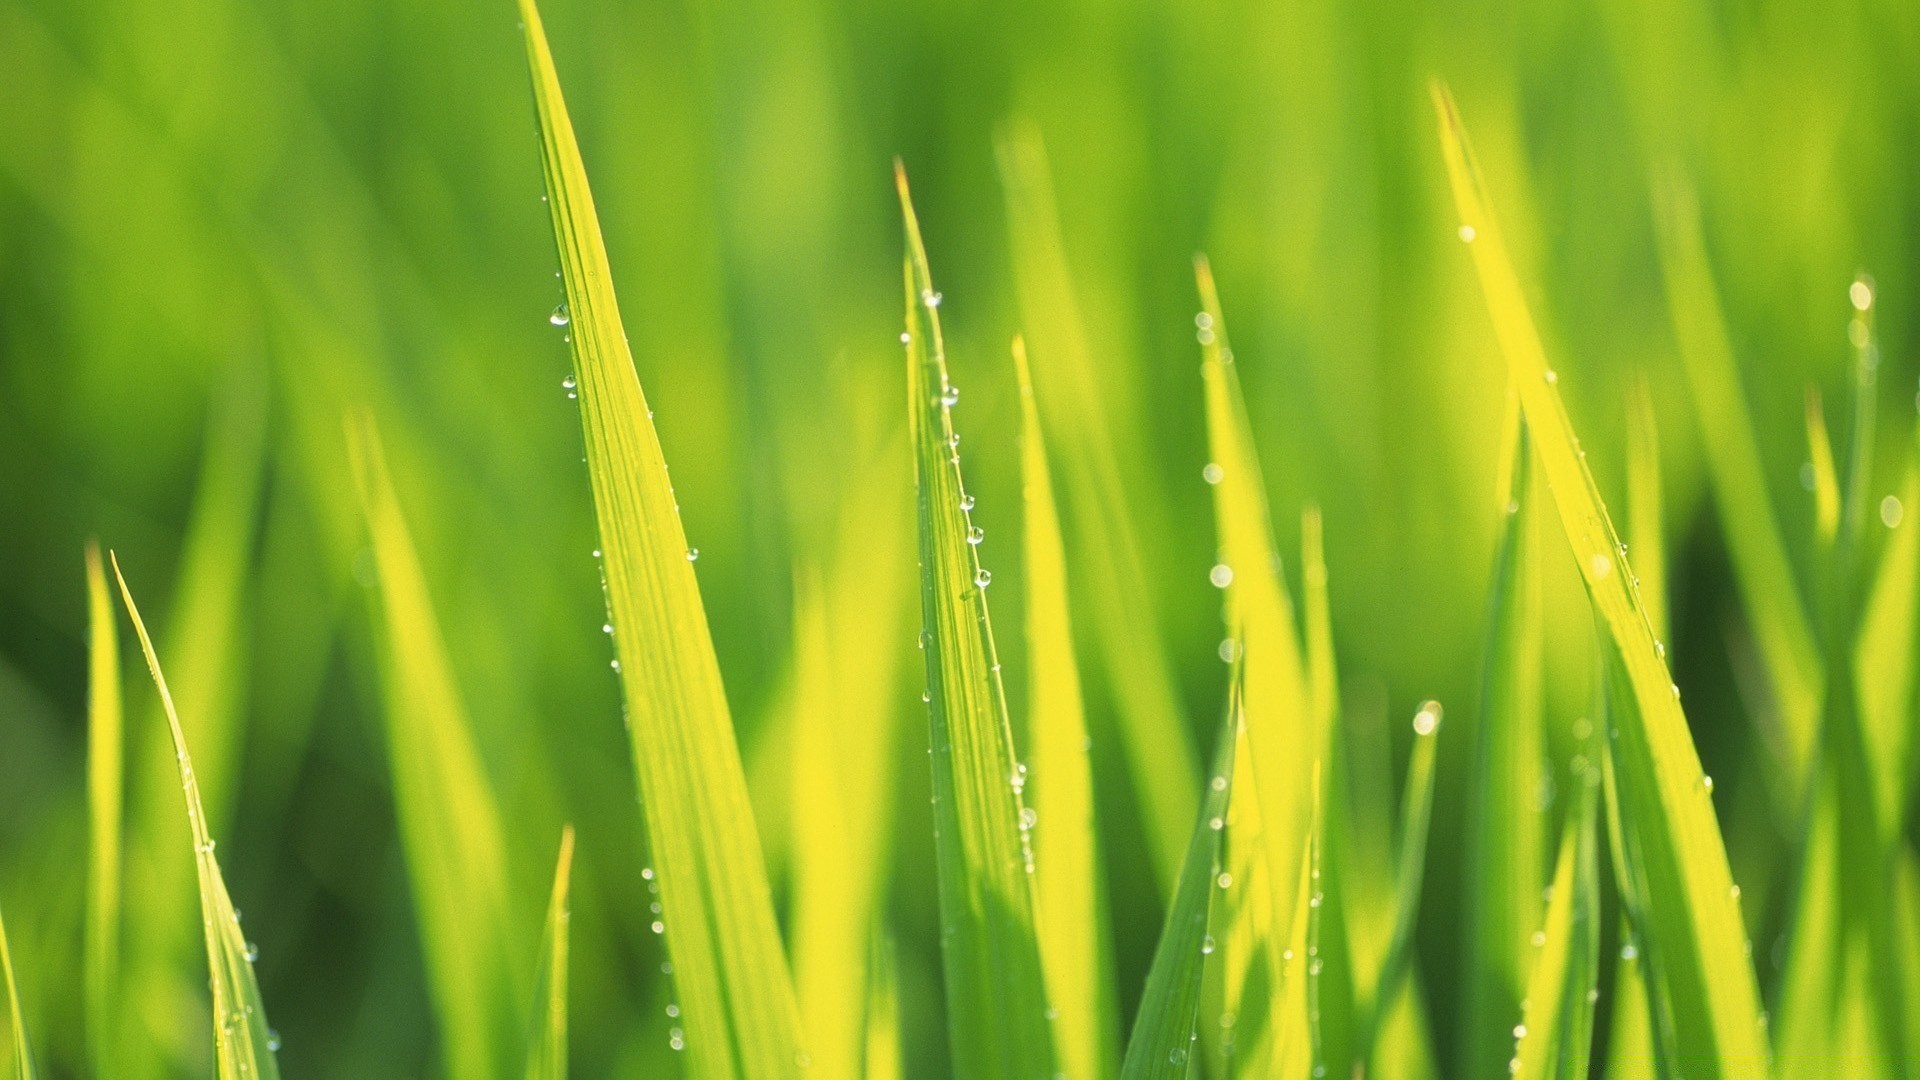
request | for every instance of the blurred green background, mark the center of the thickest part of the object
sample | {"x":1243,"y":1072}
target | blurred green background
{"x":225,"y":222}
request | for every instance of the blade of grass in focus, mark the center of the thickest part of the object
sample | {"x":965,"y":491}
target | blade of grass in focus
{"x":1246,"y":971}
{"x":449,"y":822}
{"x":1162,"y":1045}
{"x":1645,"y":536}
{"x":730,"y":970}
{"x":243,"y":1044}
{"x":1416,"y":815}
{"x":1693,"y":923}
{"x":997,"y":1012}
{"x":1781,"y":625}
{"x":1505,"y":842}
{"x":1108,"y":557}
{"x":18,"y":1054}
{"x":1555,"y":1036}
{"x":1335,"y":990}
{"x":105,"y":798}
{"x":547,"y":1054}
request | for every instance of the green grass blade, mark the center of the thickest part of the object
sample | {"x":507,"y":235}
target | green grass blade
{"x":1555,"y":1036}
{"x":17,"y":1050}
{"x":1249,"y":956}
{"x":1506,"y":841}
{"x":730,"y":970}
{"x":1693,"y":921}
{"x":1811,"y":986}
{"x":1294,"y":1038}
{"x":243,"y":1044}
{"x":1646,"y":537}
{"x":1065,"y":848}
{"x":1163,"y":1043}
{"x":1114,"y":576}
{"x":996,"y":989}
{"x":1416,"y":814}
{"x":1826,"y":482}
{"x":1883,"y":660}
{"x":450,"y":826}
{"x":1781,"y":624}
{"x":883,"y":1014}
{"x":547,"y":1056}
{"x":105,"y":798}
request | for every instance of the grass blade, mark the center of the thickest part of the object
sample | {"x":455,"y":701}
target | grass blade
{"x":243,"y":1044}
{"x":1162,"y":1046}
{"x":1336,"y":990}
{"x":1248,"y":970}
{"x":1693,"y":924}
{"x":106,"y":789}
{"x":1555,"y":1036}
{"x":1066,"y":856}
{"x":1416,"y":814}
{"x":18,"y":1052}
{"x":1883,"y":660}
{"x":1826,"y":482}
{"x":883,"y":1014}
{"x":547,"y":1059}
{"x":1645,"y":535}
{"x":730,"y":970}
{"x":450,"y":825}
{"x":996,"y":990}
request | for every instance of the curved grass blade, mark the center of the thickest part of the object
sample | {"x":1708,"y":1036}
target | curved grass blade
{"x":1162,"y":1046}
{"x":1416,"y":814}
{"x":1782,"y":627}
{"x":1160,"y":753}
{"x":105,"y":798}
{"x":730,"y":970}
{"x":547,"y":1060}
{"x":1506,"y":843}
{"x":1693,"y":922}
{"x":996,"y":989}
{"x":1066,"y":856}
{"x":450,"y":825}
{"x":1555,"y":1036}
{"x":243,"y":1045}
{"x":18,"y":1051}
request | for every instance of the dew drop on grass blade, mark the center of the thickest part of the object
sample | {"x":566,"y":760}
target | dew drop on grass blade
{"x":1555,"y":1038}
{"x":18,"y":1054}
{"x":547,"y":1053}
{"x":1692,"y":916}
{"x":730,"y":969}
{"x":243,"y":1044}
{"x":105,"y":798}
{"x":996,"y":991}
{"x":449,"y":822}
{"x":1067,"y":862}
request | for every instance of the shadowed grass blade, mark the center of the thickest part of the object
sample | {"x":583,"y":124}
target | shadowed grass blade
{"x":1066,"y":856}
{"x":18,"y":1052}
{"x":1416,"y":814}
{"x":1555,"y":1036}
{"x":1335,"y":1004}
{"x":1692,"y":916}
{"x":106,"y":782}
{"x":547,"y":1058}
{"x":997,"y":1013}
{"x":730,"y":970}
{"x":883,"y":1014}
{"x":243,"y":1045}
{"x":449,"y":823}
{"x":1162,"y":1046}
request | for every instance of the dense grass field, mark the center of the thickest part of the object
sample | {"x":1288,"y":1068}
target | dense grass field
{"x":1203,"y":539}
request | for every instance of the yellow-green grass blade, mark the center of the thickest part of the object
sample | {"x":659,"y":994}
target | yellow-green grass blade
{"x":547,"y":1054}
{"x":105,"y":798}
{"x":18,"y":1052}
{"x":1692,"y":921}
{"x":1555,"y":1036}
{"x":1282,"y":744}
{"x":1247,"y":966}
{"x":996,"y":989}
{"x":1826,"y":482}
{"x":1883,"y":659}
{"x":450,"y":827}
{"x":243,"y":1044}
{"x":1780,"y":621}
{"x":1416,"y":814}
{"x":1294,"y":1053}
{"x":1506,"y":841}
{"x":1336,"y":989}
{"x":730,"y":970}
{"x":1065,"y":846}
{"x":883,"y":1015}
{"x":1811,"y":986}
{"x":1108,"y":559}
{"x":1646,"y":537}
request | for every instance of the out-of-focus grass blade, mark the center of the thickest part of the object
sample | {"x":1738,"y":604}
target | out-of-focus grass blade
{"x":18,"y":1052}
{"x":996,"y":989}
{"x":1555,"y":1036}
{"x":1692,"y":915}
{"x":105,"y":797}
{"x":883,"y":1014}
{"x":450,"y":825}
{"x":1646,"y":537}
{"x":1065,"y":848}
{"x":1335,"y":990}
{"x":547,"y":1058}
{"x":243,"y":1044}
{"x":1159,"y":751}
{"x":1826,"y":482}
{"x":1883,"y":662}
{"x":1162,"y":1046}
{"x":1781,"y":624}
{"x":1506,"y":844}
{"x":730,"y":970}
{"x":1416,"y":813}
{"x":1811,"y":985}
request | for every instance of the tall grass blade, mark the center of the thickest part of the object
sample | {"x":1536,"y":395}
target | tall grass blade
{"x":1248,"y":967}
{"x":1883,"y":659}
{"x":1336,"y":990}
{"x":1416,"y":810}
{"x":1114,"y":578}
{"x":106,"y":785}
{"x":1646,"y":537}
{"x":1555,"y":1036}
{"x":450,"y":826}
{"x":1826,"y":481}
{"x":996,"y":990}
{"x":243,"y":1044}
{"x":730,"y":970}
{"x":18,"y":1052}
{"x":883,"y":1014}
{"x":1692,"y":922}
{"x":1812,"y":986}
{"x":1066,"y":856}
{"x":1163,"y":1043}
{"x":547,"y":1056}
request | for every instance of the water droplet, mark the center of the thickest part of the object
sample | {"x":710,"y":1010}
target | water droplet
{"x":982,"y":577}
{"x":1213,"y":473}
{"x":966,"y":502}
{"x":975,"y":534}
{"x":1601,"y":564}
{"x":1706,"y":784}
{"x":693,"y":554}
{"x":1177,"y":1055}
{"x":561,"y":316}
{"x":1216,"y":823}
{"x":1539,"y":938}
{"x":1229,"y":650}
{"x":1028,"y":818}
{"x":1427,"y":720}
{"x":930,"y":298}
{"x":1519,"y":1031}
{"x":906,"y":338}
{"x":1206,"y":945}
{"x":606,"y":628}
{"x":659,"y":927}
{"x":568,"y":383}
{"x":1861,"y":293}
{"x":953,"y":441}
{"x":1891,"y":511}
{"x":1225,"y":880}
{"x":677,"y":1039}
{"x":1219,"y":783}
{"x":1513,"y":1066}
{"x":1466,"y":234}
{"x":1204,"y":335}
{"x":1316,"y":966}
{"x":273,"y":1041}
{"x":673,"y":1011}
{"x":251,"y":952}
{"x":614,"y":664}
{"x":1629,"y":951}
{"x":1734,"y":892}
{"x":1221,"y":575}
{"x":926,"y":696}
{"x":950,"y":396}
{"x":1552,"y":376}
